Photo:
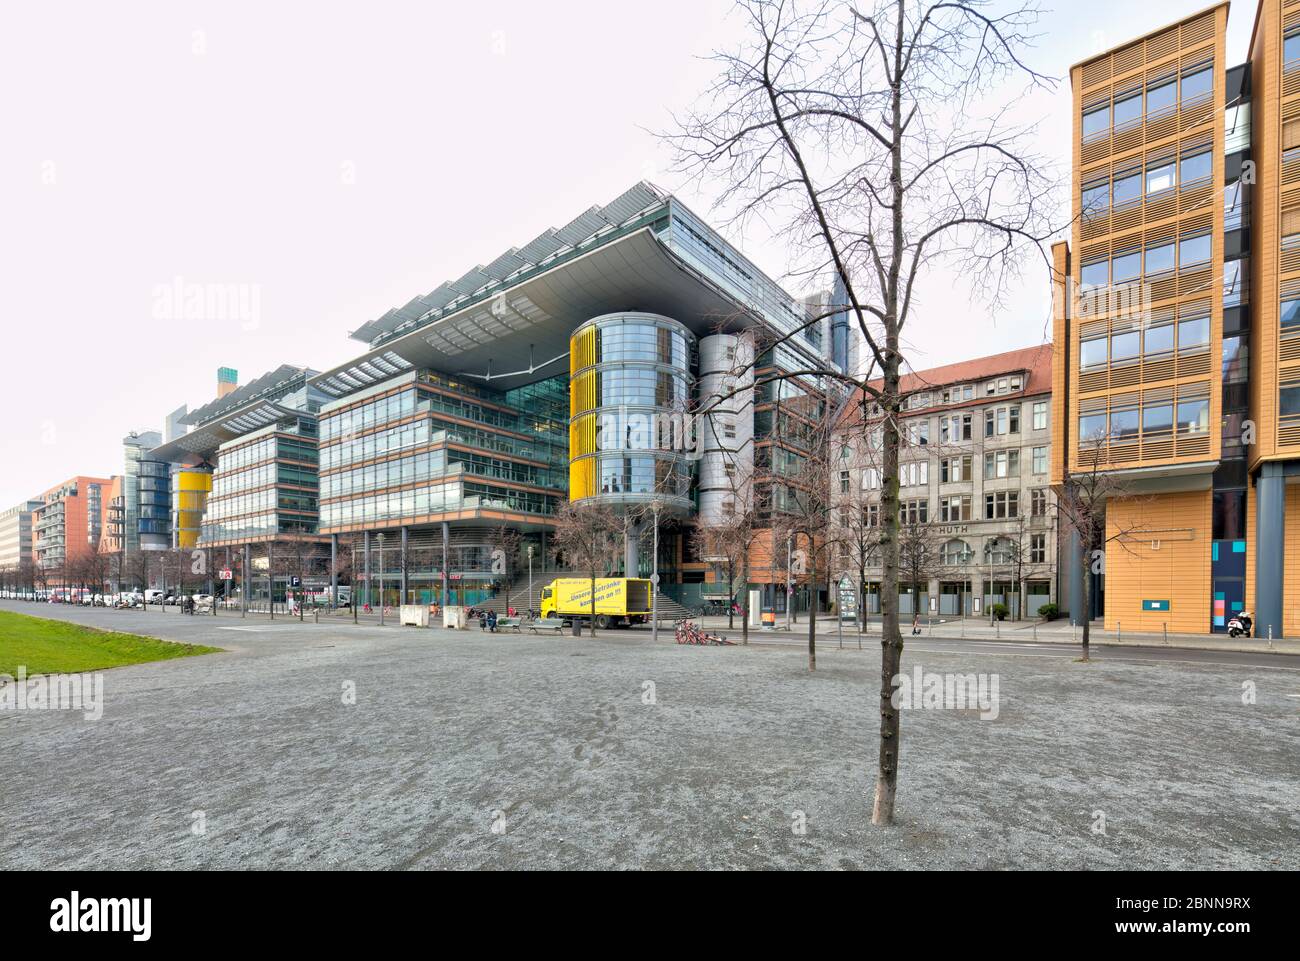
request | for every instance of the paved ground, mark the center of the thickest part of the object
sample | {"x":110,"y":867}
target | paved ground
{"x":549,"y":739}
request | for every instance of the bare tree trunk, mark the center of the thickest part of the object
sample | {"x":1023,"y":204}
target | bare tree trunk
{"x":1085,"y":616}
{"x":891,"y":636}
{"x":812,"y":606}
{"x":744,"y":605}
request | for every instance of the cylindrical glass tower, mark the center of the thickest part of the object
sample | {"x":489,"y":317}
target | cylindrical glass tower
{"x":155,"y":505}
{"x":190,"y":489}
{"x":631,"y":437}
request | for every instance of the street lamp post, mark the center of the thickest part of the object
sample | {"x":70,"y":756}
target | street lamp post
{"x":530,"y":580}
{"x":655,"y":507}
{"x":381,"y":578}
{"x":789,"y":588}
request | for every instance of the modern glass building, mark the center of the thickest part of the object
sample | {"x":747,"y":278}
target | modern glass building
{"x":565,"y":368}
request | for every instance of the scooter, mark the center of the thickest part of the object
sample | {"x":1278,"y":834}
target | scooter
{"x":1240,"y":625}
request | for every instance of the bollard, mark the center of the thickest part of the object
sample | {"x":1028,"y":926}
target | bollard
{"x":1165,"y":625}
{"x":1119,"y":632}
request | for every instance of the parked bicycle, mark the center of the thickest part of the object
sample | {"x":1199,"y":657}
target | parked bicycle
{"x":686,"y":632}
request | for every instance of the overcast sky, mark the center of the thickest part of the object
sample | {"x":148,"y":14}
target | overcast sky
{"x":333,"y":160}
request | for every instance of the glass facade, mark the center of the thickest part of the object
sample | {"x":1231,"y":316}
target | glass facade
{"x":629,"y":434}
{"x":265,"y":485}
{"x":426,"y":444}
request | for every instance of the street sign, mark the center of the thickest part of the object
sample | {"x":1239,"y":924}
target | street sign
{"x":654,"y":579}
{"x":295,"y":582}
{"x":225,"y":574}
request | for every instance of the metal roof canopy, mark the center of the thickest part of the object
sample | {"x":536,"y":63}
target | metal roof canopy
{"x":520,"y":335}
{"x":202,"y":442}
{"x":282,"y":376}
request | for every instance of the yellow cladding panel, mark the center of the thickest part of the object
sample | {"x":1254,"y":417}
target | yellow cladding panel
{"x":582,"y":393}
{"x":582,"y":469}
{"x":582,"y":350}
{"x":1158,"y":549}
{"x":582,"y":478}
{"x":193,"y":480}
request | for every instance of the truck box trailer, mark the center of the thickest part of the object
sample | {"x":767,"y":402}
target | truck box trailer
{"x":619,"y":600}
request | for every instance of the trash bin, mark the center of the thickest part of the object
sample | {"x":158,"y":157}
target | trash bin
{"x":769,"y":619}
{"x":577,"y":627}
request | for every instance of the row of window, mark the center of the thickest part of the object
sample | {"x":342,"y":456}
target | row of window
{"x":1158,"y":99}
{"x":1160,"y":257}
{"x":1158,"y":340}
{"x":1116,"y":191}
{"x":421,"y":501}
{"x":1192,"y":416}
{"x":999,"y":505}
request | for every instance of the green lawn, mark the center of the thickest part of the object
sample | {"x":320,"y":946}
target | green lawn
{"x":57,"y":647}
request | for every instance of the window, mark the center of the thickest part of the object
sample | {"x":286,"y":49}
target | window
{"x":1291,"y":47}
{"x":1000,"y":505}
{"x":1124,"y":423}
{"x":1160,"y":258}
{"x":871,"y":479}
{"x":1160,"y":178}
{"x":1040,"y":415}
{"x":1291,"y":314}
{"x":1289,"y":400}
{"x":844,"y":481}
{"x":1092,"y":427}
{"x":1193,"y":416}
{"x":1040,"y":460}
{"x":1096,"y":122}
{"x":955,"y":553}
{"x":1096,"y":198}
{"x":990,"y":423}
{"x":1234,"y":281}
{"x":1198,"y":83}
{"x":1013,"y":414}
{"x":953,"y":470}
{"x":913,"y":513}
{"x":1092,"y":353}
{"x":1158,"y":340}
{"x":1195,"y":167}
{"x":1127,"y":188}
{"x":1038,"y":548}
{"x":1193,"y":333}
{"x":1125,"y":346}
{"x":1095,"y":274}
{"x":955,"y":509}
{"x":871,"y":515}
{"x":1126,"y":266}
{"x":1128,"y":111}
{"x":1003,"y":463}
{"x":1194,"y":250}
{"x":1160,"y":99}
{"x":1157,"y":418}
{"x":1038,"y":502}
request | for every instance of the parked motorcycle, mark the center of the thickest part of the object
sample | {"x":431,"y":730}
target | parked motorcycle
{"x":1240,"y":625}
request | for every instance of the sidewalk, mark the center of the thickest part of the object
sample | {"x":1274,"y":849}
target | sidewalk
{"x":1027,"y":632}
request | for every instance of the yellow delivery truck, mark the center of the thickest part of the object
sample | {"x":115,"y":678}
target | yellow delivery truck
{"x":620,"y":601}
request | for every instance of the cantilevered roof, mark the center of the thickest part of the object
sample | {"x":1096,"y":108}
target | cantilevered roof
{"x":521,"y":335}
{"x":202,"y":442}
{"x":454,"y":294}
{"x":282,"y":380}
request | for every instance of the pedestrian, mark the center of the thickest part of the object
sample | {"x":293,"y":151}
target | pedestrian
{"x":492,"y":622}
{"x":916,"y":623}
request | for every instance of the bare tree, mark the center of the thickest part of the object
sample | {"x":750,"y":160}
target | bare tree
{"x":588,"y":535}
{"x":802,"y":508}
{"x":1081,"y":505}
{"x":861,"y":132}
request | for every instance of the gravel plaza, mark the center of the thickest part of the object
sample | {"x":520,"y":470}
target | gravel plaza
{"x":474,"y":750}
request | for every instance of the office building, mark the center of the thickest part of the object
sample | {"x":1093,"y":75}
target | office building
{"x":1174,"y":333}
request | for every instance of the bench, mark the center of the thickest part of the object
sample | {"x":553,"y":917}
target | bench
{"x":546,"y":624}
{"x":514,"y":623}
